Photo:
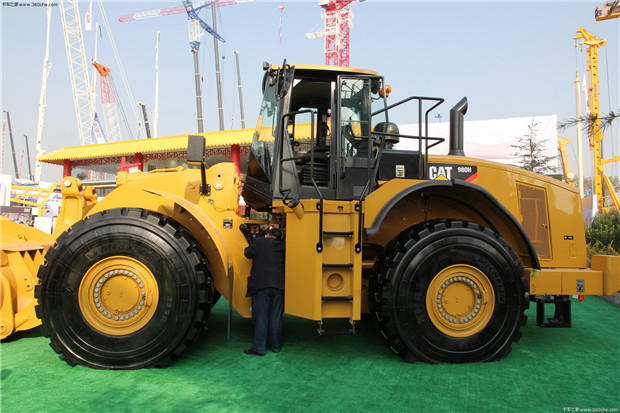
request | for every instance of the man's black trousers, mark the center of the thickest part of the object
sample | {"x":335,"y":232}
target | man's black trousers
{"x":267,"y":309}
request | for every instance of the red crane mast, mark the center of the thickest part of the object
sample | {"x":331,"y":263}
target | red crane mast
{"x":338,"y":21}
{"x":108,"y":103}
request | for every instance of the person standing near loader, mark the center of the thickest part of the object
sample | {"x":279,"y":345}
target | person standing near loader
{"x":266,"y":287}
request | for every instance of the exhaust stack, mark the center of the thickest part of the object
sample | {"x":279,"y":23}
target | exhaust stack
{"x":456,"y":127}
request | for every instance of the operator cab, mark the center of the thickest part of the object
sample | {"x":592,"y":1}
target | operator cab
{"x":314,"y":137}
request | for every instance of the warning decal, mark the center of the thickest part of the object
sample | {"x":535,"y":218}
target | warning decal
{"x":439,"y":171}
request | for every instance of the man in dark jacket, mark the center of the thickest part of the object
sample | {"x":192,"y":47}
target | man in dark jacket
{"x":266,"y":287}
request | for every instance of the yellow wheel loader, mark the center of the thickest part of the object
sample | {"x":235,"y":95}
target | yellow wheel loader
{"x":446,"y":252}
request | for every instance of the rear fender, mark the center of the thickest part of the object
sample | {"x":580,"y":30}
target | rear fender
{"x":450,"y":199}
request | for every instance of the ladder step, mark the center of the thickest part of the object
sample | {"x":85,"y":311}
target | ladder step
{"x":337,"y":265}
{"x":336,"y":233}
{"x":337,"y":298}
{"x":350,"y":330}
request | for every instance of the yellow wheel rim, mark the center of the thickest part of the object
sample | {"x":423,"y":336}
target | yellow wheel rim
{"x":118,"y":295}
{"x":460,"y":301}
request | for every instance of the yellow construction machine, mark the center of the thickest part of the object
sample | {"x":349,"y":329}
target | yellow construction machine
{"x":22,"y":250}
{"x":21,"y":255}
{"x":446,"y":252}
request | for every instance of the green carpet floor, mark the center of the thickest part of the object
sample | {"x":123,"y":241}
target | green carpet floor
{"x":549,"y":370}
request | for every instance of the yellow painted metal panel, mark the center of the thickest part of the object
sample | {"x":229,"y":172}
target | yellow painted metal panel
{"x":610,"y":266}
{"x":535,"y":218}
{"x":585,"y":282}
{"x":340,"y":226}
{"x":303,"y":264}
{"x":338,"y":309}
{"x":565,"y":281}
{"x":547,"y":282}
{"x":343,"y":69}
{"x":20,"y":258}
{"x":307,"y":280}
{"x":19,"y":237}
{"x":222,"y":247}
{"x":564,"y":234}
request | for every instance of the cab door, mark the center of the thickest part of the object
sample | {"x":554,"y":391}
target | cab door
{"x":354,"y":147}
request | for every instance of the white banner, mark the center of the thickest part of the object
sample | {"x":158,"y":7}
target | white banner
{"x":88,"y":17}
{"x":490,"y":139}
{"x":97,"y":135}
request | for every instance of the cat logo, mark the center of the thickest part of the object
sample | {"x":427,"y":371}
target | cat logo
{"x":446,"y":172}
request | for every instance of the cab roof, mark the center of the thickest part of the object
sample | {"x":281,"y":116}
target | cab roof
{"x":325,"y":68}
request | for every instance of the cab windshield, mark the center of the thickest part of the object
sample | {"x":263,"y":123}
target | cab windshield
{"x":264,"y":136}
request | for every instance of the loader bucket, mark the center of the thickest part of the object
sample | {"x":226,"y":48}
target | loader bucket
{"x":22,"y":251}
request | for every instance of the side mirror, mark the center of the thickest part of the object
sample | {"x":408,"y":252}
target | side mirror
{"x":196,"y":155}
{"x":195,"y":149}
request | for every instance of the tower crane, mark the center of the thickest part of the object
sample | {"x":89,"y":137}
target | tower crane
{"x":166,"y":11}
{"x":28,"y":157}
{"x":8,"y":119}
{"x":74,"y":42}
{"x":608,"y":10}
{"x":2,"y":149}
{"x":47,"y":66}
{"x":338,"y":20}
{"x":108,"y":103}
{"x":194,"y":22}
{"x":594,"y":126}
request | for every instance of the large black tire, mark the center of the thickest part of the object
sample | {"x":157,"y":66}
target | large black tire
{"x":449,"y":292}
{"x":123,"y":289}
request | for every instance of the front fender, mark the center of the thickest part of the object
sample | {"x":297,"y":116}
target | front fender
{"x":212,"y":220}
{"x":223,"y":259}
